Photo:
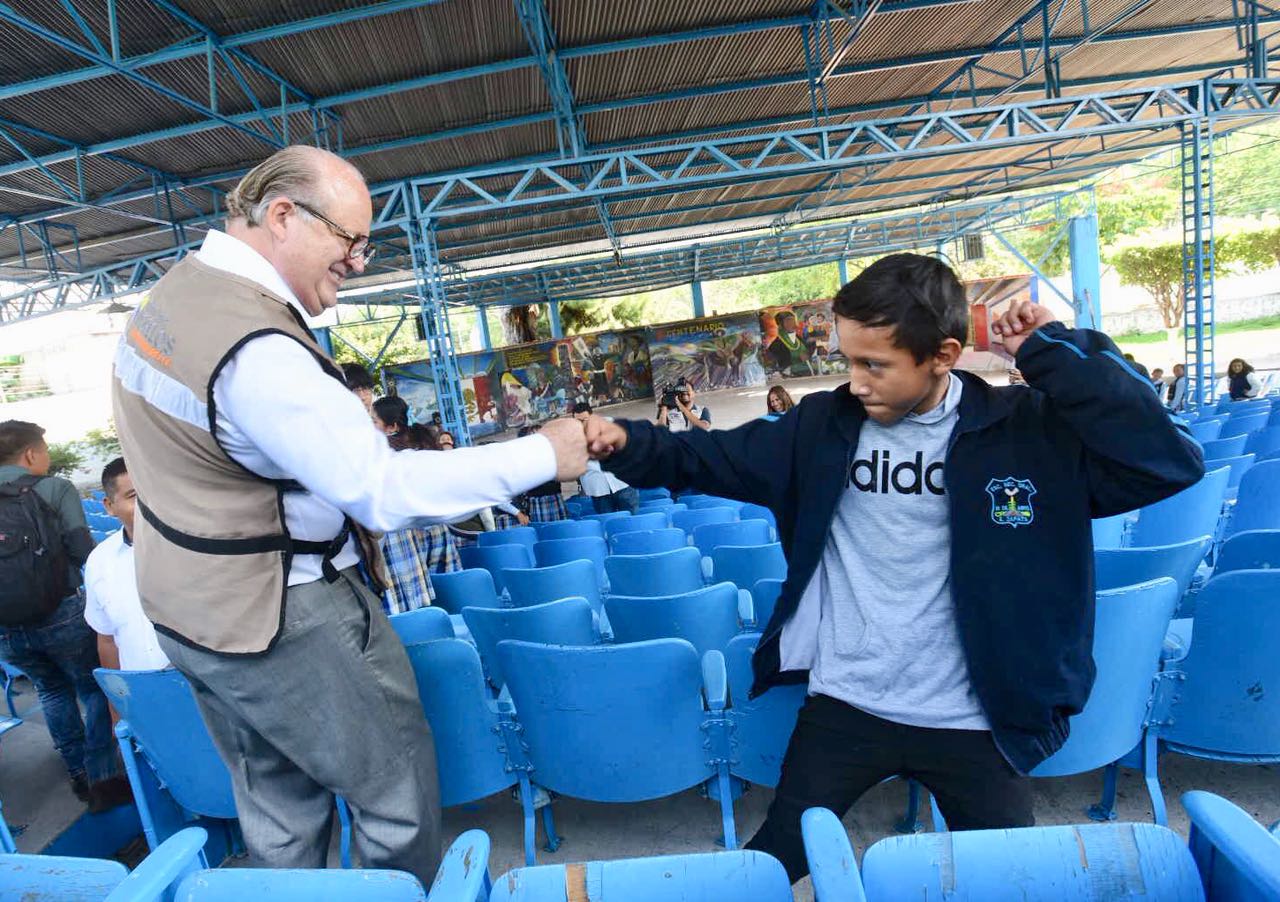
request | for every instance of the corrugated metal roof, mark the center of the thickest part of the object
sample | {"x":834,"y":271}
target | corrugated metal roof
{"x":630,"y":96}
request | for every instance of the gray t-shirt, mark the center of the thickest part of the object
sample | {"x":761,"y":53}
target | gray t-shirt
{"x":887,"y":637}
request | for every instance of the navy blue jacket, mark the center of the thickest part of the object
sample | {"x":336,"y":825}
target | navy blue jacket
{"x":1087,"y":439}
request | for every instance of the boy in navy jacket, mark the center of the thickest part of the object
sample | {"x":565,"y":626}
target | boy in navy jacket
{"x":939,"y":601}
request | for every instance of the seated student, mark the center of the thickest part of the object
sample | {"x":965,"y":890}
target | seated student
{"x":777,"y":402}
{"x":360,"y":383}
{"x":1242,"y":381}
{"x":1177,"y":397}
{"x":939,"y":599}
{"x":126,"y":638}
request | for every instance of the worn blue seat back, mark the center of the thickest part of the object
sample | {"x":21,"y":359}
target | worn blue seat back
{"x":564,"y":622}
{"x":691,"y":519}
{"x":1191,"y":513}
{"x":1263,"y":442}
{"x":610,"y":723}
{"x":691,"y":498}
{"x":657,"y":504}
{"x":1108,"y":532}
{"x":650,"y":542}
{"x":764,"y":598}
{"x":1257,"y":549}
{"x":760,"y":512}
{"x":550,"y":552}
{"x":538,"y":585}
{"x":743,"y":876}
{"x":163,"y":721}
{"x":569,"y":529}
{"x":56,"y":878}
{"x":762,"y":726}
{"x":1239,"y":467}
{"x":713,"y":501}
{"x":710,"y":536}
{"x":463,"y":719}
{"x":1034,"y":864}
{"x":706,"y":618}
{"x":833,"y":869}
{"x":422,"y":625}
{"x":654,"y":494}
{"x":1117,"y":567}
{"x":636,"y":523}
{"x":1225,"y":707}
{"x":1128,"y":634}
{"x":515,"y":535}
{"x":746,"y":565}
{"x":1243,"y":425}
{"x":1206,"y":431}
{"x":665,"y":573}
{"x":605,"y":519}
{"x":1258,"y":499}
{"x":1225,"y":447}
{"x":1238,"y":859}
{"x":463,"y":589}
{"x":495,"y":559}
{"x":579,"y":506}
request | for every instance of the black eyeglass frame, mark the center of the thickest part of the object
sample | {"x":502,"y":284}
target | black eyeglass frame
{"x":365,"y":254}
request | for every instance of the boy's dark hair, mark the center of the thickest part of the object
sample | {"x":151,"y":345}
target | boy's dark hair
{"x":582,"y":407}
{"x":919,"y":296}
{"x":393,"y":411}
{"x":17,"y":436}
{"x":357,"y":376}
{"x":110,"y":473}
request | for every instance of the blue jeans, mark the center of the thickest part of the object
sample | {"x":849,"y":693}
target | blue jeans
{"x":627,"y":499}
{"x":59,"y":655}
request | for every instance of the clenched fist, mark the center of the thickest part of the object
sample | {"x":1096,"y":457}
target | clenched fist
{"x":570,"y":444}
{"x":604,"y":437}
{"x":1020,"y":320}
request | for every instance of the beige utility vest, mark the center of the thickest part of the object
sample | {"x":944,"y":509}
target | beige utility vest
{"x":210,"y":541}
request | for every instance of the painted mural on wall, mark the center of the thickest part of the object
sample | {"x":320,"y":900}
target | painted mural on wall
{"x":479,"y":376}
{"x":800,"y":340}
{"x":988,"y":299}
{"x":537,"y":383}
{"x":719,"y":352}
{"x":609,"y":367}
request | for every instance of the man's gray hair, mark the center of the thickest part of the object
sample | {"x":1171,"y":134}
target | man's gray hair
{"x":292,"y":172}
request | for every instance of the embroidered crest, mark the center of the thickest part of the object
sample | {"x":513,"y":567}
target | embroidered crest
{"x":1011,"y":501}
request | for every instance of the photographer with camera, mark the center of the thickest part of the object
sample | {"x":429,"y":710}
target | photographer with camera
{"x":677,"y":411}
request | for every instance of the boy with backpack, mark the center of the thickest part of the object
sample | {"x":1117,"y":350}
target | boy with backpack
{"x":43,"y":543}
{"x":939,"y":601}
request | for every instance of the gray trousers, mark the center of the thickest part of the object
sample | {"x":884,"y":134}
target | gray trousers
{"x":332,"y":708}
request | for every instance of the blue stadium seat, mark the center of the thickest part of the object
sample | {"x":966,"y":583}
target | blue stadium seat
{"x":609,"y":517}
{"x":550,"y":552}
{"x":713,"y":501}
{"x":1118,"y":567}
{"x":1263,"y":442}
{"x":465,"y":588}
{"x":1243,"y":425}
{"x":569,"y":529}
{"x":656,"y":504}
{"x":1256,"y":549}
{"x":1238,"y":465}
{"x":691,"y":519}
{"x":1109,"y":532}
{"x":746,"y":565}
{"x":1206,"y":431}
{"x":58,"y":877}
{"x":764,"y":597}
{"x":496,"y":559}
{"x":710,"y":536}
{"x":637,"y":523}
{"x":1238,"y":860}
{"x":1257,"y":499}
{"x":1189,"y":514}
{"x":538,"y":585}
{"x":761,"y":726}
{"x":650,"y":542}
{"x":760,"y":512}
{"x":515,"y":535}
{"x":568,"y":621}
{"x":665,"y":573}
{"x":654,"y":494}
{"x":705,"y":618}
{"x":422,"y":625}
{"x":1226,"y":447}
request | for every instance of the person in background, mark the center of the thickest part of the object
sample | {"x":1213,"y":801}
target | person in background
{"x":1137,"y":367}
{"x":360,"y":383}
{"x":687,"y":414}
{"x":544,"y":503}
{"x":42,"y":627}
{"x":1177,"y":397}
{"x":405,"y":552}
{"x":126,"y":638}
{"x":607,"y":492}
{"x":1242,"y":381}
{"x":777,"y":402}
{"x":391,"y":416}
{"x":445,"y":440}
{"x":1157,"y":381}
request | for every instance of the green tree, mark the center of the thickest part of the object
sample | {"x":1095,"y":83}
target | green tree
{"x":1155,"y":266}
{"x":64,"y":458}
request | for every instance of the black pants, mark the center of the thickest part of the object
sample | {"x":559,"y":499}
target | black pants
{"x":838,"y":752}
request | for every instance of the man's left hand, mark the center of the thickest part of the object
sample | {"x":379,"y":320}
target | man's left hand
{"x":1019,"y":321}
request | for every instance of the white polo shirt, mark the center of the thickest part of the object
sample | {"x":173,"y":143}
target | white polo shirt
{"x":112,"y":607}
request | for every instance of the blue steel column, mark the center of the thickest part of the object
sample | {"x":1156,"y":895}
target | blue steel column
{"x":695,"y":288}
{"x":557,"y":331}
{"x":429,"y":283}
{"x":1086,"y":271}
{"x":1198,"y":260}
{"x":324,"y":339}
{"x":842,"y":265}
{"x":482,"y":321}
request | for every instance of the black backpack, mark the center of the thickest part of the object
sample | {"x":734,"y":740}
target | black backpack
{"x":33,"y":562}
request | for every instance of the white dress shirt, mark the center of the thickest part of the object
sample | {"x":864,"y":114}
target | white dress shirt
{"x":597,"y":482}
{"x":281,"y":416}
{"x":112,"y":607}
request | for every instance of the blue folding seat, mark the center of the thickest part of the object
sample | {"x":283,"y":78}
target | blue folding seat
{"x":764,"y":597}
{"x":746,"y":565}
{"x":538,"y":585}
{"x":706,"y":618}
{"x":1256,"y":549}
{"x":1263,"y":442}
{"x":1243,"y":425}
{"x":465,"y":588}
{"x":569,"y":529}
{"x":1206,"y":431}
{"x":649,"y":542}
{"x":568,"y":621}
{"x":1238,"y":860}
{"x":609,"y":517}
{"x":550,"y":552}
{"x":762,"y":726}
{"x":665,"y":573}
{"x":691,"y":519}
{"x":1257,"y":500}
{"x":654,"y":494}
{"x":515,"y":535}
{"x":713,"y":501}
{"x":1189,"y":514}
{"x":1109,"y":532}
{"x":655,"y":505}
{"x":1238,"y":465}
{"x":1117,"y":567}
{"x":496,"y":559}
{"x":422,"y":625}
{"x":637,"y":523}
{"x":52,"y":878}
{"x":760,"y":512}
{"x":1225,"y":447}
{"x":691,"y":498}
{"x":622,"y":723}
{"x":710,"y":536}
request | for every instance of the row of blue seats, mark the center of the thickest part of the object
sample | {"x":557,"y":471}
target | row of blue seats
{"x":1228,"y":857}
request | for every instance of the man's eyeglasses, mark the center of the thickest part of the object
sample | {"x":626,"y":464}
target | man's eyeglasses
{"x":359,"y":247}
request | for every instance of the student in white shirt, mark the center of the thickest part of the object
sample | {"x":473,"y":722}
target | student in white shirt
{"x":126,"y":638}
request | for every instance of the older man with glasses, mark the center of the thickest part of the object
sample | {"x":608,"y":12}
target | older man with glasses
{"x":257,"y":473}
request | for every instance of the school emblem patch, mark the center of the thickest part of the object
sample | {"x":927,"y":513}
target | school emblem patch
{"x":1011,"y":501}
